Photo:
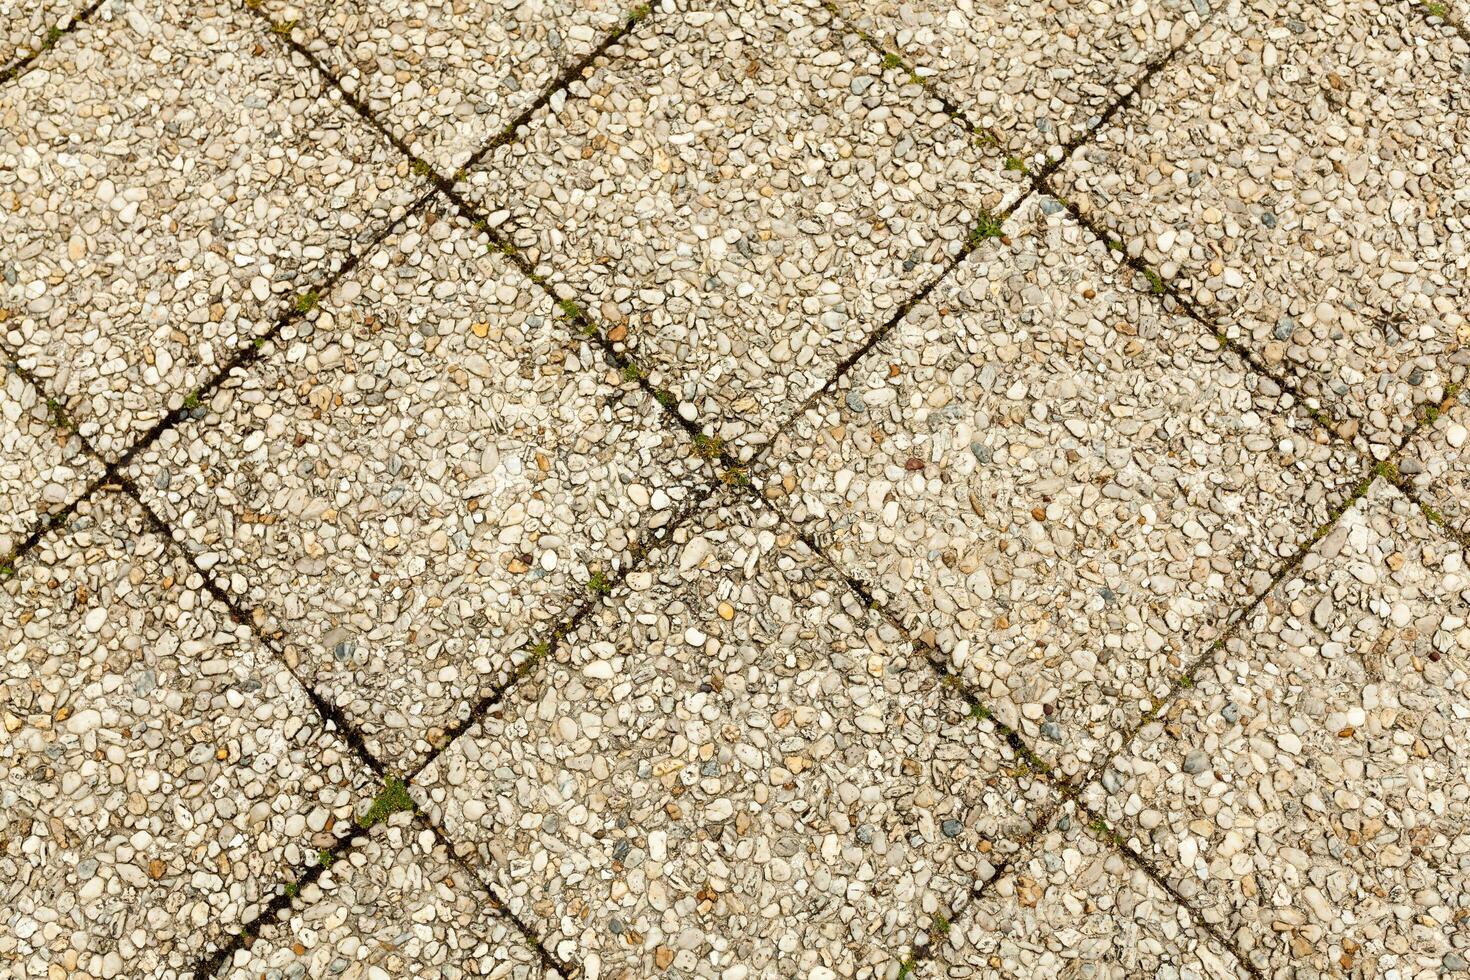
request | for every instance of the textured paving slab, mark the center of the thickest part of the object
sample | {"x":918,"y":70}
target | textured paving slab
{"x":161,"y":772}
{"x":731,"y":766}
{"x":170,"y":180}
{"x":1437,"y":465}
{"x":1300,"y":171}
{"x":449,"y":75}
{"x":1311,"y":793}
{"x":1038,"y":75}
{"x":1072,"y":905}
{"x":418,"y":480}
{"x":741,"y":196}
{"x":850,"y":711}
{"x":28,"y":26}
{"x":42,"y":467}
{"x":395,"y":906}
{"x":1069,"y":489}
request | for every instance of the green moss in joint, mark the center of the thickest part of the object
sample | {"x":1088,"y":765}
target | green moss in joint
{"x":599,"y":584}
{"x":987,"y":226}
{"x":391,"y":799}
{"x":708,"y":447}
{"x":58,"y":414}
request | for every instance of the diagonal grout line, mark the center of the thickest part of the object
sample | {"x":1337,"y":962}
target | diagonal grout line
{"x":245,"y":356}
{"x":1163,"y":289}
{"x":55,"y":33}
{"x":712,"y":450}
{"x":1103,"y":832}
{"x":115,"y":475}
{"x":548,"y":959}
{"x":1071,"y":789}
{"x":547,"y":648}
{"x":285,"y":32}
{"x":329,"y":712}
{"x":1039,"y":183}
{"x":242,"y":359}
{"x":930,"y":83}
{"x":60,"y":423}
{"x":1442,"y":10}
{"x":921,"y":953}
{"x":1042,"y":183}
{"x":935,"y":85}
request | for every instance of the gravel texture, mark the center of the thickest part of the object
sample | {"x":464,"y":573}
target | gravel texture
{"x":1437,"y":465}
{"x":740,"y":195}
{"x":333,"y":492}
{"x":1069,"y":490}
{"x":723,"y":489}
{"x":161,"y":772}
{"x":170,"y":181}
{"x":29,"y":26}
{"x":1037,"y":75}
{"x":1072,"y":905}
{"x":1311,"y":792}
{"x":448,"y":75}
{"x":42,"y":467}
{"x":733,"y":769}
{"x":1300,"y":170}
{"x":396,"y":905}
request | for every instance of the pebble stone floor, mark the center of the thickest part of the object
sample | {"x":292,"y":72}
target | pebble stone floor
{"x":731,"y":489}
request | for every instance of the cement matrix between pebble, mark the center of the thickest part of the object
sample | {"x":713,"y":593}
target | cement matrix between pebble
{"x":812,"y":489}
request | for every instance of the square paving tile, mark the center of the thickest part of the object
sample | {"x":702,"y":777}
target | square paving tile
{"x":28,"y":26}
{"x":740,"y":196}
{"x":1437,"y":465}
{"x":449,"y":75}
{"x":394,"y":905}
{"x":1300,"y":171}
{"x":1071,"y":489}
{"x":418,"y":480}
{"x":1037,"y":74}
{"x":1073,"y":906}
{"x":161,"y":772}
{"x":733,"y":769}
{"x":42,"y":467}
{"x":1311,"y":792}
{"x":170,"y":180}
